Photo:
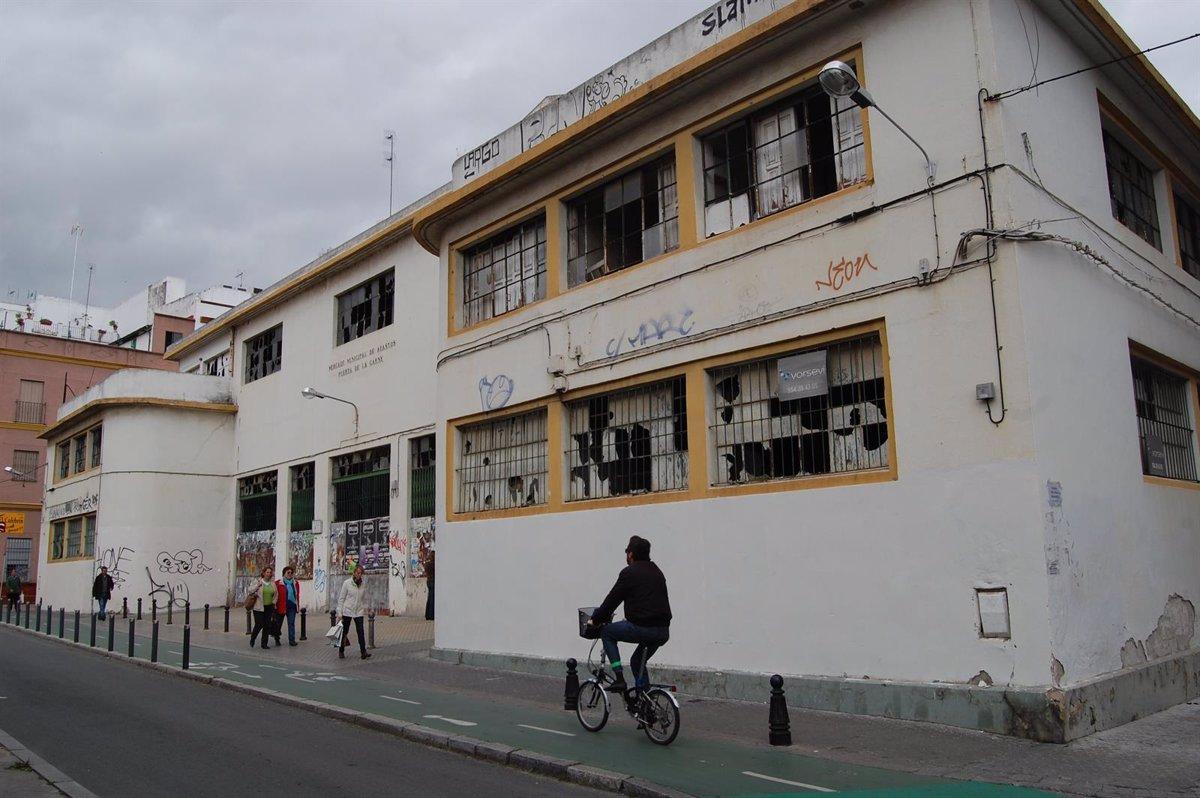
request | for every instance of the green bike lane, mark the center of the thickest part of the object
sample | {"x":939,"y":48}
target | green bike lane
{"x":692,"y":764}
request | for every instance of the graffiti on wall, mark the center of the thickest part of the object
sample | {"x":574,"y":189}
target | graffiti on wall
{"x":300,"y":553}
{"x":398,"y":549}
{"x":182,"y":562}
{"x":168,"y":592}
{"x":678,"y":324}
{"x":723,"y":13}
{"x":421,"y":539}
{"x":844,"y":272}
{"x":116,"y":560}
{"x":495,"y":393}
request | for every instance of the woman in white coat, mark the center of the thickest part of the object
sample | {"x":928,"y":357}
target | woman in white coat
{"x":351,"y":602}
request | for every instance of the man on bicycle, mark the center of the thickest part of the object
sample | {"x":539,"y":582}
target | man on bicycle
{"x":643,"y":588}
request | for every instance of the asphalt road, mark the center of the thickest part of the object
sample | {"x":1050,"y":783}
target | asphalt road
{"x":121,"y":730}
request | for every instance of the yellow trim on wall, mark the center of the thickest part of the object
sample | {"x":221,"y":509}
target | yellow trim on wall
{"x":700,"y":472}
{"x":21,"y":506}
{"x":22,"y":425}
{"x":112,"y":365}
{"x":75,"y":416}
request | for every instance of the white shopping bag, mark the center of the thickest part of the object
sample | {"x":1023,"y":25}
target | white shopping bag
{"x":335,"y":635}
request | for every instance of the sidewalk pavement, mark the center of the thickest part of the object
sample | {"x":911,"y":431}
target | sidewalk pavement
{"x":18,"y":778}
{"x":1156,"y":756}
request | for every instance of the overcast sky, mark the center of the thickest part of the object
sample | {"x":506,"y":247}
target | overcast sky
{"x":202,"y":140}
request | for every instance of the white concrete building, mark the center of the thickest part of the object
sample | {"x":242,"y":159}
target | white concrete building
{"x":929,"y":453}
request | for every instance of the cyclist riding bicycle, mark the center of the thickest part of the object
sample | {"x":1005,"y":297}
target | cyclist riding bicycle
{"x":643,"y":588}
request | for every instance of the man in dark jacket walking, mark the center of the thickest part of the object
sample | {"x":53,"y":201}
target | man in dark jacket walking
{"x":643,"y":588}
{"x":102,"y":589}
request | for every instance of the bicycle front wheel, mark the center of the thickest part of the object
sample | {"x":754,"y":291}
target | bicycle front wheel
{"x":661,"y":719}
{"x":592,"y":706}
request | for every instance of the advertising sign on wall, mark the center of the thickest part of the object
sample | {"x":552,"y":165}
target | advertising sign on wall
{"x":802,"y":376}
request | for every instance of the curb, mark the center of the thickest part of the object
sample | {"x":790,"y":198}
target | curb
{"x":61,"y":781}
{"x":499,"y":753}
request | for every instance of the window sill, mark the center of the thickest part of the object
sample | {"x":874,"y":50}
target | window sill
{"x":81,"y":558}
{"x":1169,"y":482}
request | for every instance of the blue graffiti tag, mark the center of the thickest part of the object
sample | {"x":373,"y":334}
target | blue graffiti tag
{"x":495,"y":393}
{"x":652,"y":331}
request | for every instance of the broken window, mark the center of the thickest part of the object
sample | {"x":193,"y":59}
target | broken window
{"x":629,"y":219}
{"x":96,"y":436}
{"x":630,"y":441}
{"x":757,"y":436}
{"x":1131,"y":189}
{"x":256,"y":501}
{"x":264,"y":353}
{"x":421,"y":476}
{"x":58,"y":533}
{"x":1162,"y":400}
{"x":80,"y":444}
{"x":217,"y":366}
{"x":1187,"y":218}
{"x":64,"y":459}
{"x":362,"y":484}
{"x":505,"y":272}
{"x":796,"y":150}
{"x":502,"y":463}
{"x":304,"y":491}
{"x":366,"y":308}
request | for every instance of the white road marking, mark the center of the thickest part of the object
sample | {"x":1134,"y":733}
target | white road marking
{"x":402,"y":700}
{"x":177,"y":653}
{"x":273,"y":667}
{"x":451,"y":720}
{"x":248,"y":675}
{"x":785,"y":781}
{"x":548,"y":731}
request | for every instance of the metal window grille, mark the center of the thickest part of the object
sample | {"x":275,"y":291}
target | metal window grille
{"x":58,"y":534}
{"x":632,"y":218}
{"x":80,"y":444}
{"x":362,"y":484}
{"x":264,"y":353}
{"x":31,"y":406}
{"x":366,"y":308}
{"x":1162,"y":399}
{"x":505,"y":272}
{"x":17,"y":555}
{"x":96,"y":436}
{"x":421,"y":476}
{"x":303,"y":497}
{"x":64,"y":459}
{"x":25,"y":465}
{"x":217,"y":366}
{"x":630,"y":441}
{"x":89,"y":535}
{"x":256,"y":497}
{"x":1188,"y":229}
{"x":799,"y":149}
{"x":74,"y":536}
{"x":758,"y":437}
{"x":503,"y":463}
{"x":1131,"y":188}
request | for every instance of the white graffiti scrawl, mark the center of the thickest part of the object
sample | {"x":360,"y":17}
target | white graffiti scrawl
{"x":182,"y":562}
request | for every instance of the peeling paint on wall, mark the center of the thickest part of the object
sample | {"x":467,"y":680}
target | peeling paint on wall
{"x":1174,"y":632}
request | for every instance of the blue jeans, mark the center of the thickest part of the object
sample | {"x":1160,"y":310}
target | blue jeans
{"x":648,"y":638}
{"x":103,"y":604}
{"x":291,"y":619}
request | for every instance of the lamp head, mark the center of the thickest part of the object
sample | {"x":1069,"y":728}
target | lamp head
{"x":312,"y":393}
{"x":10,"y":469}
{"x":838,"y":80}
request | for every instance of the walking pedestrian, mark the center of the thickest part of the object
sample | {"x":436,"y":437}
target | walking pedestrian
{"x":289,"y":597}
{"x":429,"y":585}
{"x":102,"y":590}
{"x":351,"y":600}
{"x":12,"y":585}
{"x":263,"y":593}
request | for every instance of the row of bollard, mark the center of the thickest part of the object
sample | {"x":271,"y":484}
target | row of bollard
{"x":778,"y":724}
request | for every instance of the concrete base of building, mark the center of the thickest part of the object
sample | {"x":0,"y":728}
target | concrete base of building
{"x":1045,"y":714}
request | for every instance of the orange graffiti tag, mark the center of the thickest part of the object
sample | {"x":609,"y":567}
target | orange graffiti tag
{"x":844,"y":271}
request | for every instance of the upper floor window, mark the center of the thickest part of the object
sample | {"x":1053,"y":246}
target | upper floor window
{"x":264,"y":353}
{"x":803,"y":147}
{"x":217,"y":366}
{"x":362,"y":484}
{"x":31,"y":404}
{"x":78,"y":453}
{"x":503,"y":463}
{"x":505,"y":272}
{"x":63,"y":461}
{"x":95,"y":456}
{"x":256,"y":500}
{"x":303,"y":496}
{"x":1163,"y":399}
{"x":1187,"y":220}
{"x":25,"y":465}
{"x":173,"y":338}
{"x":1131,"y":189}
{"x":366,"y":308}
{"x":631,"y":218}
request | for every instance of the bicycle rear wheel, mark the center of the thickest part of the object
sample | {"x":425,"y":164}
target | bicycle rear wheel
{"x":592,"y":706}
{"x":661,"y":719}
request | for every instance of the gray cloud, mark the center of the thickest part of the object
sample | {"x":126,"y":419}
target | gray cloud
{"x":206,"y":139}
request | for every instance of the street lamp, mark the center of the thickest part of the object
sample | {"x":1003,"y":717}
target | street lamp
{"x":19,"y":476}
{"x":839,"y":80}
{"x":313,"y":393}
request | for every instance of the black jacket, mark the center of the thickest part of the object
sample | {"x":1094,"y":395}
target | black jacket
{"x":643,"y":588}
{"x":102,"y":587}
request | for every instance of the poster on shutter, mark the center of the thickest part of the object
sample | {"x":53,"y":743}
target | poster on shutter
{"x":1156,"y":456}
{"x":300,"y":553}
{"x":352,"y":528}
{"x":420,"y":543}
{"x":372,"y":545}
{"x":802,"y":376}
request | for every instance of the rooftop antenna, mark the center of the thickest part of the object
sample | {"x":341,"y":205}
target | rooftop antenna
{"x":390,"y":137}
{"x":77,"y":231}
{"x":87,"y":303}
{"x":239,"y":277}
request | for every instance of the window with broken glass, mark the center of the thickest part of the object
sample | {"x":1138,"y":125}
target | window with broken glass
{"x":1162,"y":400}
{"x":217,"y":366}
{"x":362,"y":484}
{"x":1187,"y":215}
{"x":421,"y":476}
{"x":366,"y":308}
{"x":804,"y":147}
{"x":505,"y":272}
{"x":839,"y":427}
{"x":1131,"y":189}
{"x":256,"y":501}
{"x":303,"y":495}
{"x":264,"y":353}
{"x":502,"y":463}
{"x":628,"y":442}
{"x":627,"y":220}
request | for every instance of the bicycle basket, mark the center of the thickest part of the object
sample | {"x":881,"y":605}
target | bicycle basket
{"x":585,"y":631}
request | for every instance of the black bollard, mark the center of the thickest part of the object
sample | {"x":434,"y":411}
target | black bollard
{"x":170,"y":610}
{"x":248,"y":620}
{"x":371,"y":629}
{"x":37,"y":625}
{"x":187,"y":645}
{"x":131,"y":623}
{"x":187,"y":613}
{"x":206,"y":617}
{"x":781,"y":727}
{"x":92,"y":632}
{"x":139,"y":608}
{"x":571,"y":691}
{"x":154,"y":609}
{"x":75,"y":637}
{"x":226,"y":618}
{"x":112,"y":621}
{"x":26,"y":614}
{"x":49,"y":619}
{"x":62,"y":621}
{"x":154,"y":642}
{"x":304,"y":623}
{"x":124,"y":606}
